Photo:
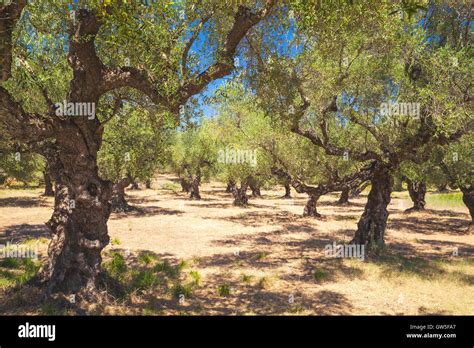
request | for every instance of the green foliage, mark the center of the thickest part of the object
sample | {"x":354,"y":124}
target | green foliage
{"x":140,"y":149}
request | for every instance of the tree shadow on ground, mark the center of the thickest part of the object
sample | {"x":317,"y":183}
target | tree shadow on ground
{"x":23,"y":232}
{"x":24,"y":202}
{"x":350,"y":204}
{"x":256,"y":218}
{"x":432,"y":225}
{"x":144,"y":211}
{"x":211,"y":205}
{"x":404,"y":259}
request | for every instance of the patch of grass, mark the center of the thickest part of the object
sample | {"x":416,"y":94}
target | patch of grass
{"x":20,"y":271}
{"x":224,"y":290}
{"x":320,"y":275}
{"x":10,"y":262}
{"x":182,"y":289}
{"x":195,"y":278}
{"x":264,"y":283}
{"x":262,"y":255}
{"x":182,"y":265}
{"x":171,"y":186}
{"x":116,"y":266}
{"x":149,"y":312}
{"x":50,"y":309}
{"x":115,"y":241}
{"x":445,"y":200}
{"x":295,"y":309}
{"x":31,"y":269}
{"x":144,"y":279}
{"x":166,"y":268}
{"x":247,"y":278}
{"x":146,"y":258}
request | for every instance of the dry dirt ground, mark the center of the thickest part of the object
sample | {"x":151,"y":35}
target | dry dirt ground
{"x":267,"y":258}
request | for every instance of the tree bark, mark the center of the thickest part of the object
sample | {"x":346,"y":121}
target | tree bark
{"x":119,"y":203}
{"x":344,"y":197}
{"x":417,"y":191}
{"x":79,"y":221}
{"x":468,"y":199}
{"x":287,"y":191}
{"x":240,"y":194}
{"x":195,"y":182}
{"x":230,"y":186}
{"x":48,"y":185}
{"x":371,"y":226}
{"x":310,"y":207}
{"x":255,"y":191}
{"x":184,"y":185}
{"x":148,"y":184}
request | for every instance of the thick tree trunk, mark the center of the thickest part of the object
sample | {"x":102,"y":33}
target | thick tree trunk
{"x":148,"y":184}
{"x":255,"y":191}
{"x":344,"y":197}
{"x":48,"y":185}
{"x":185,"y":187}
{"x":79,"y":221}
{"x":196,"y":181}
{"x":119,"y":203}
{"x":230,"y":186}
{"x":371,"y":226}
{"x":310,"y":207}
{"x":287,"y":191}
{"x":468,"y":199}
{"x":254,"y":187}
{"x":417,"y":191}
{"x":240,"y":194}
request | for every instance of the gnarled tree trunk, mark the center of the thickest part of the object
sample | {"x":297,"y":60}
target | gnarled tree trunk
{"x":254,"y":187}
{"x":195,"y":182}
{"x":79,"y":221}
{"x":119,"y":203}
{"x":310,"y":207}
{"x":255,"y":191}
{"x":417,"y":191}
{"x":230,"y":186}
{"x":371,"y":226}
{"x":287,"y":191}
{"x":185,"y":187}
{"x":468,"y":199}
{"x":344,"y":197}
{"x":48,"y":185}
{"x":240,"y":194}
